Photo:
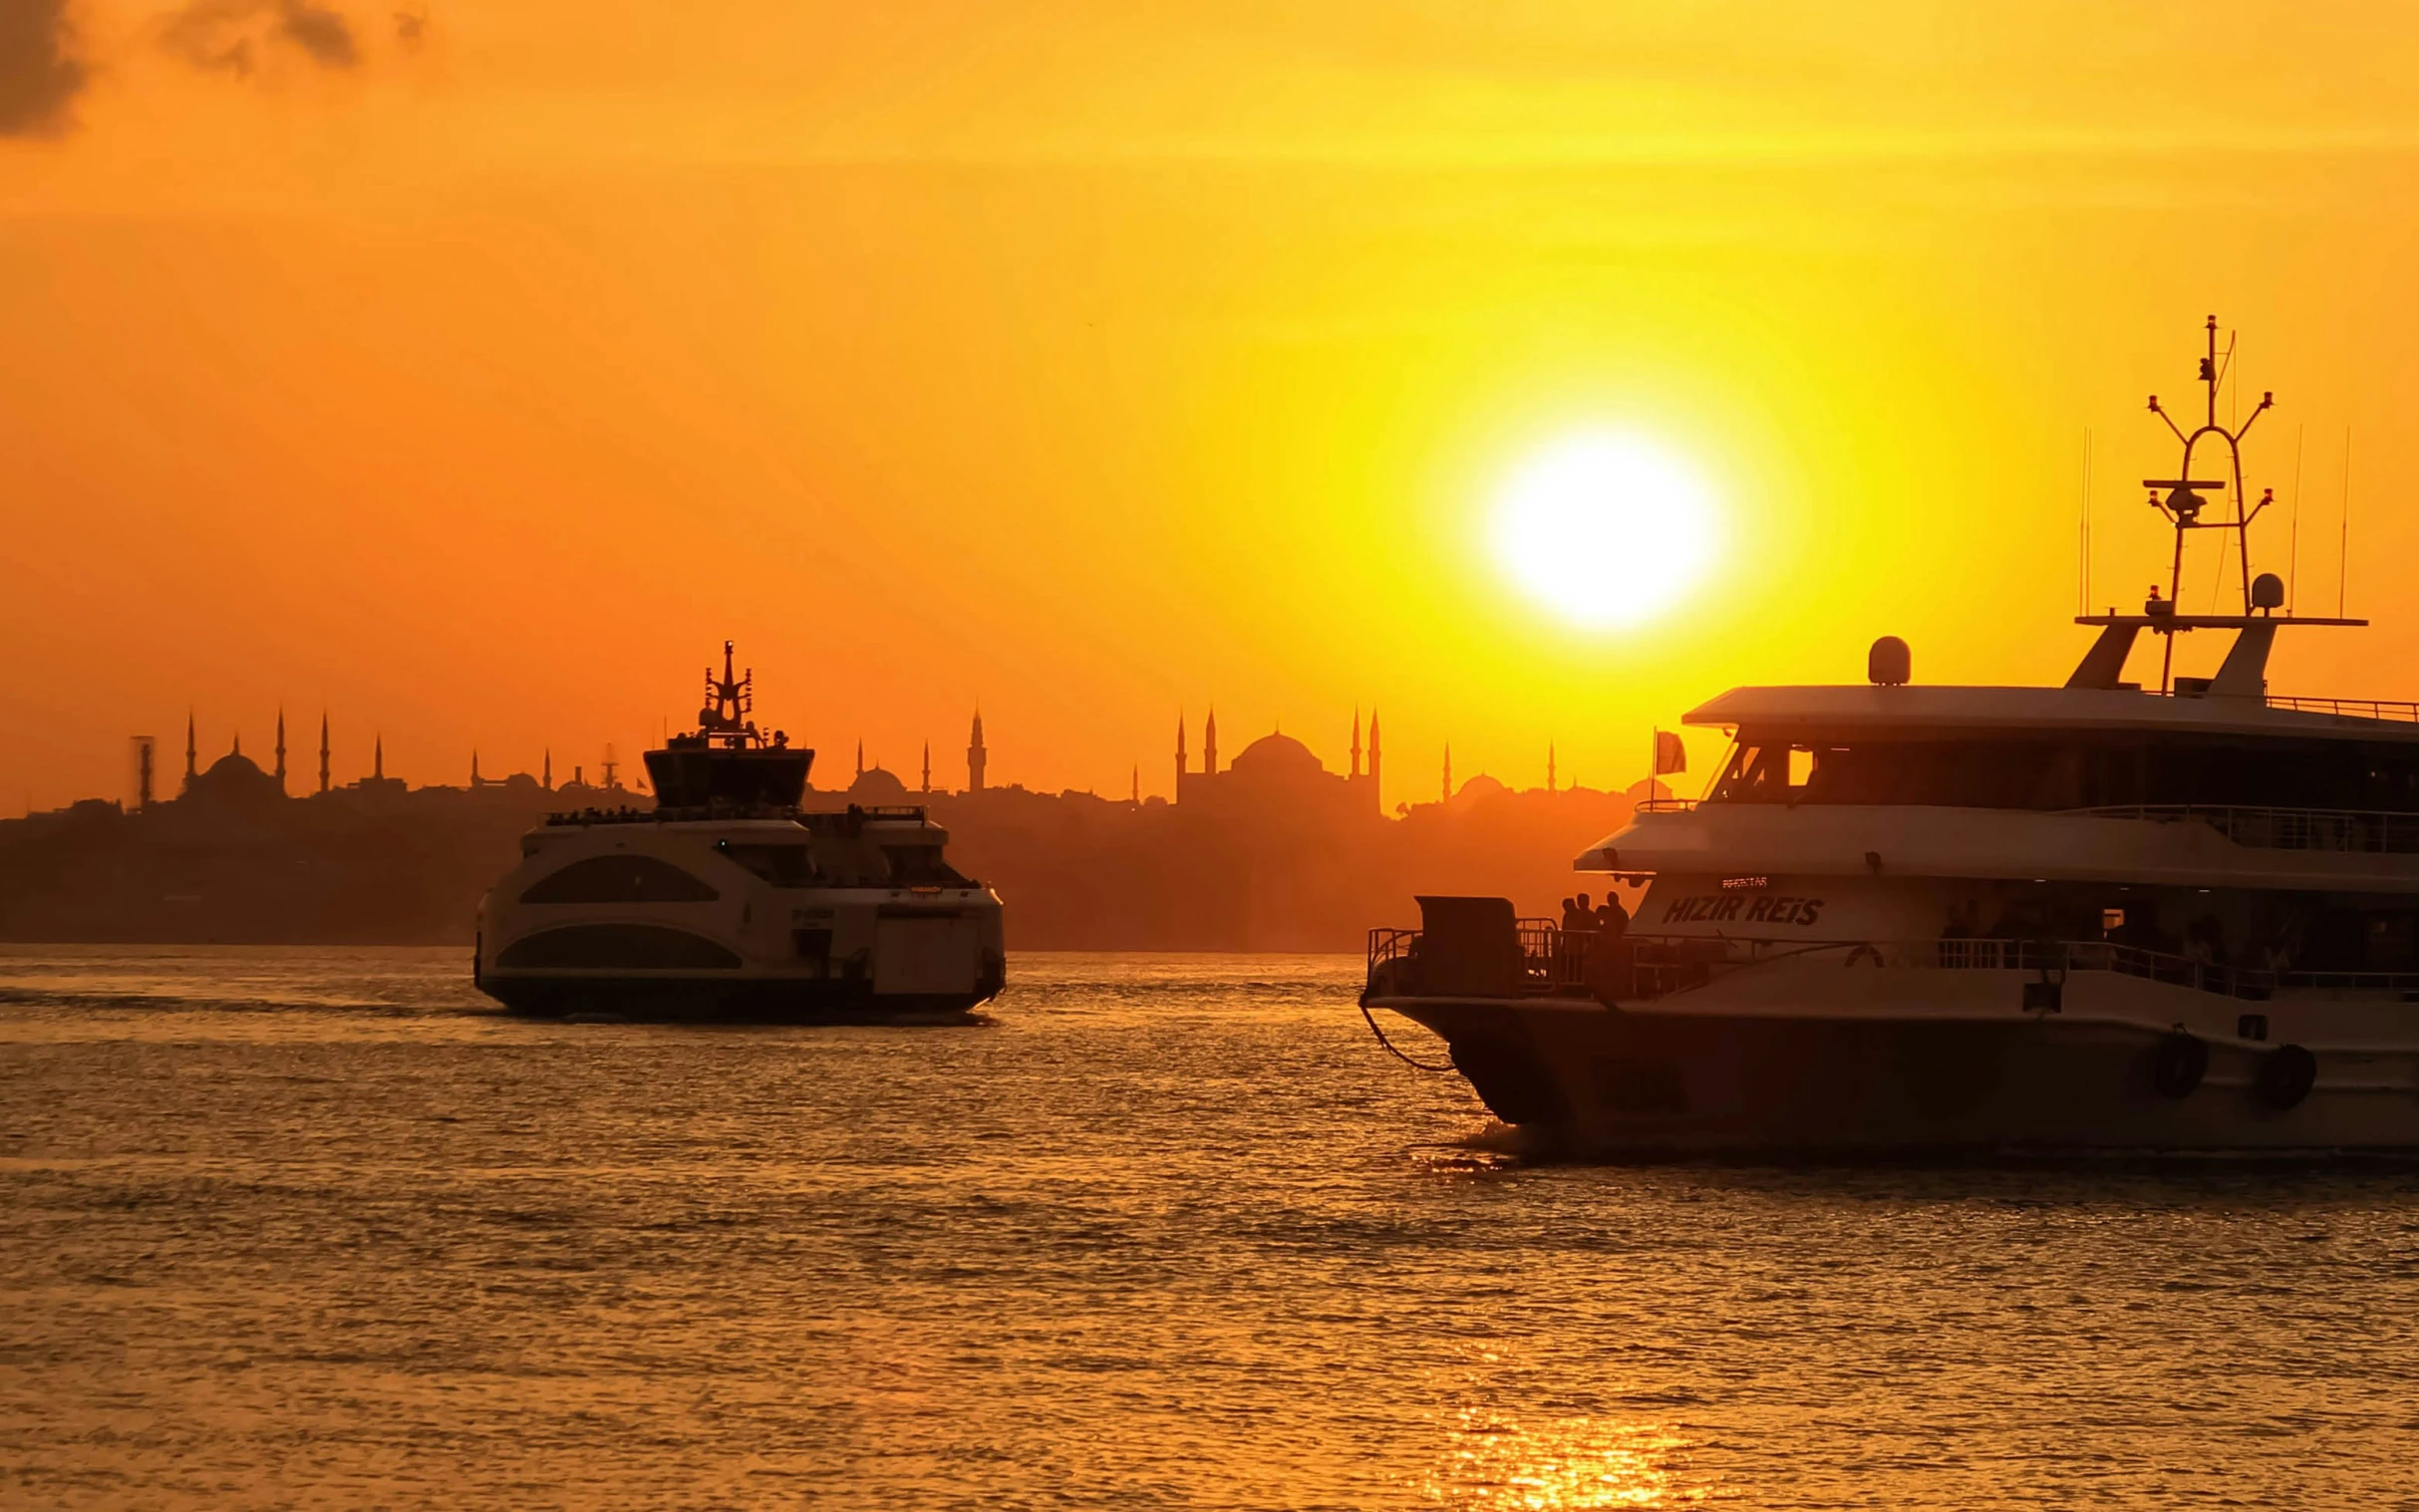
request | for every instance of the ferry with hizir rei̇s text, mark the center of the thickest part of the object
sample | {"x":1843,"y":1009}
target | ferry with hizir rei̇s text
{"x":2090,"y":918}
{"x":729,"y":901}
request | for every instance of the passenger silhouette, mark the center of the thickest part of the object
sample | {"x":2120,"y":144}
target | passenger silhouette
{"x":1611,"y":920}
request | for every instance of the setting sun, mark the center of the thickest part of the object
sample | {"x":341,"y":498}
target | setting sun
{"x":1604,"y":530}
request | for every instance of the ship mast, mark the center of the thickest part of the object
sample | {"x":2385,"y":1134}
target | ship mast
{"x":2182,"y":499}
{"x":2182,"y":505}
{"x":729,"y":700}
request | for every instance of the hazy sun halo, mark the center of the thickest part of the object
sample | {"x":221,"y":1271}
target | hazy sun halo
{"x":1604,"y":529}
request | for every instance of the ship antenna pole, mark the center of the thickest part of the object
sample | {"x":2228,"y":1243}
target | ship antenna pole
{"x":2344,"y":551}
{"x":2085,"y":575}
{"x":2293,"y":560}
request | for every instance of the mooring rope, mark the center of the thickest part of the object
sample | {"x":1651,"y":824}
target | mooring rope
{"x":1397,"y":1054}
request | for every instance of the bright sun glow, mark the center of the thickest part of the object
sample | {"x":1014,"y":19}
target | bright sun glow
{"x":1604,"y":530}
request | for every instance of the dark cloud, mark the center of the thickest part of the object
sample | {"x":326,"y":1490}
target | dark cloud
{"x":40,"y":74}
{"x":235,"y":35}
{"x":322,"y":33}
{"x":42,"y":70}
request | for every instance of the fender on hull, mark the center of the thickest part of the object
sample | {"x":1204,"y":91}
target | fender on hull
{"x":703,"y":1000}
{"x":1588,"y":1080}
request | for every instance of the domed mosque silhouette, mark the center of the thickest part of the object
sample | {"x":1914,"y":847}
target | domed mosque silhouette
{"x":1278,"y":771}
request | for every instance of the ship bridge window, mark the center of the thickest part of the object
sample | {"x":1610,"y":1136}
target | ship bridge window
{"x":1776,"y":772}
{"x":782,"y":865}
{"x":2060,"y":771}
{"x":620,"y":879}
{"x":921,"y":866}
{"x":1944,"y":772}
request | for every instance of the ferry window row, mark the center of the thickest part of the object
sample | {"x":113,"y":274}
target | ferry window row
{"x":2053,"y":773}
{"x":619,"y":879}
{"x":793,"y":865}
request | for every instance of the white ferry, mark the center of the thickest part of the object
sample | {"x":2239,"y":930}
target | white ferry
{"x":2101,"y":917}
{"x":729,"y":901}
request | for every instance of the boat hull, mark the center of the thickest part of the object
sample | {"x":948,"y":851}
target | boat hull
{"x":1651,"y":1081}
{"x":702,"y":1000}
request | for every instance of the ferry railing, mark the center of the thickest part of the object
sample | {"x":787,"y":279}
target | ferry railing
{"x":2358,"y":708}
{"x":1638,"y":966}
{"x":1556,"y":961}
{"x":1388,"y":946}
{"x":2375,"y":832}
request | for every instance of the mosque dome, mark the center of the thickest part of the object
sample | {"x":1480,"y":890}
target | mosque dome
{"x":234,"y":778}
{"x":1478,"y":788}
{"x":1278,"y":756}
{"x":875,"y":785}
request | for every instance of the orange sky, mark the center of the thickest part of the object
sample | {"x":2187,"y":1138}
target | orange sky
{"x":1098,"y":361}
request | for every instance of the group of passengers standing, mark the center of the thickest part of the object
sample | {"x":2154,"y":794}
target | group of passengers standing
{"x":1606,"y":918}
{"x":1591,"y":945}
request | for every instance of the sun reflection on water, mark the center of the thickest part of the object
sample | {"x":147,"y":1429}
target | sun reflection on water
{"x":1493,"y":1460}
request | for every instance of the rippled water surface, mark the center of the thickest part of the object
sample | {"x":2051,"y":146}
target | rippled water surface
{"x":314,"y":1227}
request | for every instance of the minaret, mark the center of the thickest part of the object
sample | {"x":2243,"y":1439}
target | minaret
{"x":860,"y":756}
{"x":547,"y":780}
{"x":281,"y":748}
{"x":1180,"y":760}
{"x":1138,"y":795}
{"x":928,"y":766}
{"x":976,"y":756}
{"x":323,"y":750}
{"x":1209,"y":744}
{"x":474,"y":781}
{"x":191,"y":756}
{"x":377,"y":760}
{"x":1356,"y":744}
{"x":1376,"y":793}
{"x":237,"y":747}
{"x":1549,"y":766}
{"x":1448,"y":772}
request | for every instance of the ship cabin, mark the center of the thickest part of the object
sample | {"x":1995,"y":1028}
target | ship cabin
{"x":2270,"y":838}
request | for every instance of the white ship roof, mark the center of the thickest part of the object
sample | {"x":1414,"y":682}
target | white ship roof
{"x":1847,"y":708}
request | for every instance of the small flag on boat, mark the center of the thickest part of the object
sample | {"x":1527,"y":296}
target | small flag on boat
{"x":1670,"y":754}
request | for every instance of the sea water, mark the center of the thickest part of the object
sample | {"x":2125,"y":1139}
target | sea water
{"x":317,"y":1227}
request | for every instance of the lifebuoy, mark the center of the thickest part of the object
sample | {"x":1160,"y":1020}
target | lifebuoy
{"x":2180,"y":1065}
{"x":2287,"y":1073}
{"x":1863,"y":953}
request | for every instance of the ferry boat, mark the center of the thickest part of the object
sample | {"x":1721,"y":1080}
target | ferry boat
{"x":2101,"y":917}
{"x":731,"y":901}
